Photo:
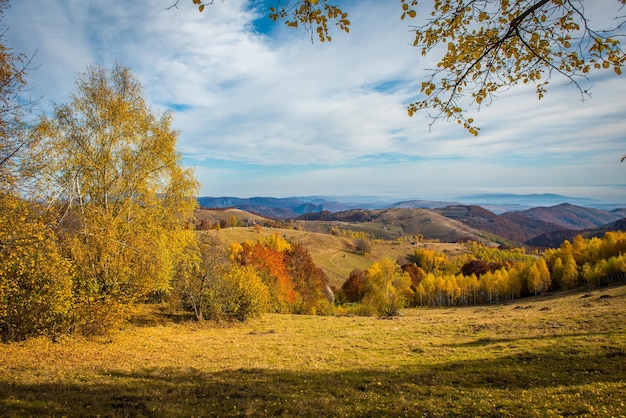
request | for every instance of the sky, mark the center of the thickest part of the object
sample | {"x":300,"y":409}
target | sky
{"x":264,"y":111}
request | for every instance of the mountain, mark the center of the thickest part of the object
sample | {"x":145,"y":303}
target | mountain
{"x":382,"y":218}
{"x":292,"y":207}
{"x":271,"y":207}
{"x":422,"y":204}
{"x":527,"y":200}
{"x":452,"y":223}
{"x":522,"y":226}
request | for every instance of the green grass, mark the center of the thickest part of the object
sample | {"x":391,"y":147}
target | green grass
{"x":546,"y":356}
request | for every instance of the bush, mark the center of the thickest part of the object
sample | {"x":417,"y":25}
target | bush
{"x":35,"y":280}
{"x":238,"y":294}
{"x":361,"y":245}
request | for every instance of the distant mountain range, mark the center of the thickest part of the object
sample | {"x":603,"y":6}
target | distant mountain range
{"x":535,"y":224}
{"x":292,"y":207}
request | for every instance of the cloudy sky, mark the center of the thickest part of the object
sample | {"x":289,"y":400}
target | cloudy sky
{"x":263,"y":111}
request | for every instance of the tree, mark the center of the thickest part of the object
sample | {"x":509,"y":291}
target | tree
{"x":237,"y":294}
{"x":35,"y":278}
{"x":387,"y":288}
{"x":15,"y":137}
{"x":544,"y":275}
{"x":534,"y":279}
{"x":491,"y":45}
{"x":475,"y":266}
{"x":113,"y":171}
{"x":353,"y":287}
{"x":204,"y":261}
{"x":362,"y":245}
{"x":313,"y":15}
{"x":310,"y":281}
{"x":269,"y":260}
{"x":485,"y":47}
{"x":569,"y":277}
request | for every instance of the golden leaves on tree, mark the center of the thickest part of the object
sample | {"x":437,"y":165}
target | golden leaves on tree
{"x":491,"y":45}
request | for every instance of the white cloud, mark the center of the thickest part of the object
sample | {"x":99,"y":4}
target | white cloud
{"x":288,"y":117}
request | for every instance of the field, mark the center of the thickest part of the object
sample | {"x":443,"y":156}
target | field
{"x":335,"y":254}
{"x":559,"y":355}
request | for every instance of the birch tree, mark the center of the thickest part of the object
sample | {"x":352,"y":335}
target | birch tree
{"x":113,"y":171}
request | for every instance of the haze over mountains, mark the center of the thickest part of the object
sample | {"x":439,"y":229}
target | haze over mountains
{"x":292,"y":207}
{"x":542,"y":220}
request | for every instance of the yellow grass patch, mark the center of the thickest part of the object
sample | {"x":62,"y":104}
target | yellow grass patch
{"x":545,"y":356}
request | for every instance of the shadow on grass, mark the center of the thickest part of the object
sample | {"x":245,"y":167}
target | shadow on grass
{"x":487,"y":341}
{"x":529,"y":384}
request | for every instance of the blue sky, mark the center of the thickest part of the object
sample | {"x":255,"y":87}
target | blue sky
{"x":262,"y":111}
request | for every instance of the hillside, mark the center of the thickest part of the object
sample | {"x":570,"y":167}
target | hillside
{"x":564,"y":220}
{"x":207,"y":218}
{"x":554,"y":239}
{"x":434,"y":220}
{"x":394,"y":223}
{"x":291,"y":207}
{"x":449,"y":224}
{"x":568,"y":216}
{"x":512,"y":226}
{"x":336,"y":255}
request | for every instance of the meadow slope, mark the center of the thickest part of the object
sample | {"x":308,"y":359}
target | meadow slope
{"x":547,"y":356}
{"x":336,"y":254}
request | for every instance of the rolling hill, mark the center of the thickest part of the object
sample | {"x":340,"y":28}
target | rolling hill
{"x":541,"y":226}
{"x":451,"y":223}
{"x":513,"y":226}
{"x":393,"y":223}
{"x":568,"y":216}
{"x":337,"y":256}
{"x":554,"y":238}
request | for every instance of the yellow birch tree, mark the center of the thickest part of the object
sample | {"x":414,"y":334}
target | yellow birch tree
{"x":113,"y":171}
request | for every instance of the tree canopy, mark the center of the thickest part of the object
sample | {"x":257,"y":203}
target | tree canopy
{"x":484,"y":47}
{"x":112,"y":170}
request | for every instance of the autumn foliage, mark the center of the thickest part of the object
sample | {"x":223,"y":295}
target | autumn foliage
{"x":94,"y":207}
{"x":295,"y":283}
{"x":96,"y":215}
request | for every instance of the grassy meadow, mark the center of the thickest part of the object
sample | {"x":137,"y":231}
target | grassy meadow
{"x":335,"y":254}
{"x":559,"y":355}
